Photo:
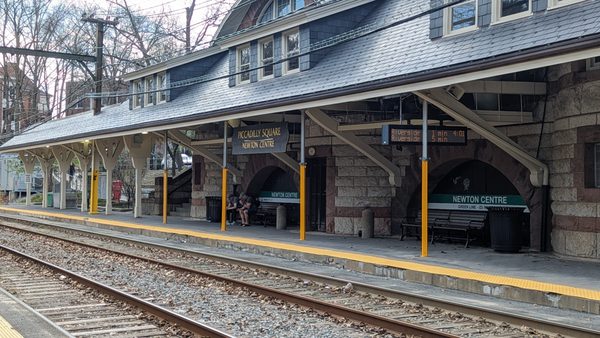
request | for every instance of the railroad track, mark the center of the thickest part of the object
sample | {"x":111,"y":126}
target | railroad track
{"x":71,"y":301}
{"x":365,"y":303}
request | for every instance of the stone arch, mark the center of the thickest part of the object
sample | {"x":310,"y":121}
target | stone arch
{"x":444,"y":159}
{"x":263,"y":165}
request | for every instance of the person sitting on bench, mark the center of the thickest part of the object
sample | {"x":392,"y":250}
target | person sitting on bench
{"x":232,"y":206}
{"x":248,"y":210}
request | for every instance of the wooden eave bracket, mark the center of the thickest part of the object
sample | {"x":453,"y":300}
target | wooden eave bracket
{"x":449,"y":105}
{"x":182,"y":139}
{"x":332,"y":126}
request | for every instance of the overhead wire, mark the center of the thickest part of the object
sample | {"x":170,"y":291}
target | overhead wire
{"x":355,"y":34}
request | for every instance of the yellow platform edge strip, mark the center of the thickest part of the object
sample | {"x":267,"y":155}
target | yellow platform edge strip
{"x":382,"y":261}
{"x":7,"y":331}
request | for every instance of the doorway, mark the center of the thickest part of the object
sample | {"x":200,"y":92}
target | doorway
{"x":317,"y":194}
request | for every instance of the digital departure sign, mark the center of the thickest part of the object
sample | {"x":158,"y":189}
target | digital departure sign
{"x":438,"y":135}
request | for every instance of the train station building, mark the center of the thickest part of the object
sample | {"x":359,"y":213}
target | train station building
{"x":334,"y":94}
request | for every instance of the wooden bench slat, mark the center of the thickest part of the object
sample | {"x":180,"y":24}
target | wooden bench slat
{"x":449,"y":220}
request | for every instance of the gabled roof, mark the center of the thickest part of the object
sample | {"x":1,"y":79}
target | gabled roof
{"x":402,"y":54}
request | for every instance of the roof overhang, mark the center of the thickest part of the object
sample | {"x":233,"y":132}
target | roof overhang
{"x":580,"y":49}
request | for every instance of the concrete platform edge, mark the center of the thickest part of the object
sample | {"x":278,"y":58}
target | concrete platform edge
{"x":57,"y":330}
{"x":507,"y":292}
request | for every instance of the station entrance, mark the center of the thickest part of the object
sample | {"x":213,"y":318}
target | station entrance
{"x":474,"y":186}
{"x":273,"y":186}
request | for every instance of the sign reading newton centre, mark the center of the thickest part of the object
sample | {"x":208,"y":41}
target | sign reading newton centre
{"x":475,"y":202}
{"x":260,"y":139}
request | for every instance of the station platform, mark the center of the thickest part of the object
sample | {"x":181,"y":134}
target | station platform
{"x":540,"y":279}
{"x":17,"y":320}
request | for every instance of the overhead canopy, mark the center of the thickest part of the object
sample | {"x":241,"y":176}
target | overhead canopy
{"x":376,"y":65}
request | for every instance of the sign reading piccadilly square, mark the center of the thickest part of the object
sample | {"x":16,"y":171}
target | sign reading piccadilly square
{"x":260,"y":139}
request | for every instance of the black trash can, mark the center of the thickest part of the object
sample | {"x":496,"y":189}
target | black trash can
{"x":505,"y":228}
{"x":213,"y":209}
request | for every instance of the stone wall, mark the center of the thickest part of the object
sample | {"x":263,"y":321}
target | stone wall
{"x":574,"y":107}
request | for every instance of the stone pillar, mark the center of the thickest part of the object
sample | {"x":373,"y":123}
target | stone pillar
{"x":109,"y":150}
{"x":139,"y":147}
{"x":64,"y":157}
{"x":29,"y":164}
{"x":83,"y":152}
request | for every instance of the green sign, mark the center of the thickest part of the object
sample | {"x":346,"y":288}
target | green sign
{"x":475,"y":202}
{"x":279,"y":197}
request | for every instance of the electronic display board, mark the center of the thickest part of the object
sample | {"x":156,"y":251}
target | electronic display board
{"x":438,"y":135}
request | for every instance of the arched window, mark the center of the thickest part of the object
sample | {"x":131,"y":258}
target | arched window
{"x":267,"y":14}
{"x":279,"y":8}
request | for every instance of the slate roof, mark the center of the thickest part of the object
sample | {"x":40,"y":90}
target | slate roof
{"x":402,"y":52}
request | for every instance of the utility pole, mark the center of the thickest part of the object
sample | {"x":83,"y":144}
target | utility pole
{"x":189,"y":11}
{"x":100,"y":23}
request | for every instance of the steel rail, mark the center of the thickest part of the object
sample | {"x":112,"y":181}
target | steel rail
{"x":342,"y":311}
{"x":492,"y":314}
{"x":160,"y":312}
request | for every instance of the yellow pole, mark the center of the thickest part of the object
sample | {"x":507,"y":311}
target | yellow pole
{"x":424,"y":207}
{"x":94,"y":192}
{"x":302,"y":201}
{"x":425,"y":184}
{"x":224,"y":201}
{"x":165,"y":180}
{"x":165,"y":193}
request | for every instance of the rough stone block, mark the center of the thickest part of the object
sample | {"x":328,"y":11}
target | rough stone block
{"x":562,"y":152}
{"x":560,"y":166}
{"x":366,"y":182}
{"x":564,"y":194}
{"x":374,"y":191}
{"x":344,"y":225}
{"x":344,"y":151}
{"x":561,"y":180}
{"x":528,"y":141}
{"x":575,"y":209}
{"x":375,"y":172}
{"x":344,"y":181}
{"x":524,"y":130}
{"x":315,"y":131}
{"x":344,"y":162}
{"x":558,"y":241}
{"x":375,"y":202}
{"x":344,"y":201}
{"x":352,"y":192}
{"x":351,"y":171}
{"x":564,"y":137}
{"x":598,"y":245}
{"x":582,"y":120}
{"x":561,"y":124}
{"x":364,"y":162}
{"x":580,"y":244}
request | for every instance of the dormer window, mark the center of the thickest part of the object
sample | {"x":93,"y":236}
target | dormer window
{"x":138,"y":89}
{"x":266,"y":53}
{"x":291,"y":50}
{"x":243,"y":64}
{"x":279,"y":8}
{"x":161,"y":83}
{"x":460,"y":18}
{"x":149,"y":95}
{"x":510,"y":9}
